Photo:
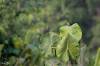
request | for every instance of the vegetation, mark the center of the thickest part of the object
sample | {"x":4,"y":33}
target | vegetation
{"x":49,"y":32}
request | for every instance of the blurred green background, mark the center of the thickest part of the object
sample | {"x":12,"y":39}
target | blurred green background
{"x":23,"y":21}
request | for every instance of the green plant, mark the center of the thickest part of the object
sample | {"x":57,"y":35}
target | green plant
{"x":97,"y":60}
{"x":62,"y":46}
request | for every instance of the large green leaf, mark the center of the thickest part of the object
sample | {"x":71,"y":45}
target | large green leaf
{"x":70,"y":36}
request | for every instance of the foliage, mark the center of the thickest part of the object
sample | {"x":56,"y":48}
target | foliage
{"x":45,"y":32}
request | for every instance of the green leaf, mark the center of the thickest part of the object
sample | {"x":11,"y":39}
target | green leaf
{"x":70,"y":36}
{"x":97,"y":60}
